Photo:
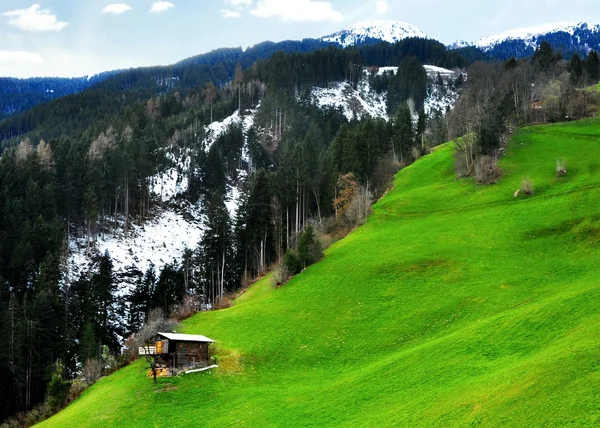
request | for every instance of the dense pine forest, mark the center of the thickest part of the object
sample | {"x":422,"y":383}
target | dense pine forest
{"x":85,"y":164}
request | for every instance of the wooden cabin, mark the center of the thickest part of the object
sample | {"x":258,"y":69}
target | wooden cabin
{"x":179,"y":352}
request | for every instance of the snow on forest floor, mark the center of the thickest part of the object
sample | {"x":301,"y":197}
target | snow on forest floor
{"x":173,"y":225}
{"x":363,"y":101}
{"x":357,"y":103}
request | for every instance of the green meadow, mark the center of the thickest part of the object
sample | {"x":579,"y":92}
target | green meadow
{"x":456,"y":304}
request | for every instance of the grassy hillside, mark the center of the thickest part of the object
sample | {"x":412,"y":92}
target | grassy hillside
{"x":455,"y":304}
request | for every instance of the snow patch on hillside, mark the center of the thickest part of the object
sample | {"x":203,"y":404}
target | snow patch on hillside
{"x":218,"y":128}
{"x":387,"y":31}
{"x":365,"y":102}
{"x":440,"y":97}
{"x":354,"y":103}
{"x":173,"y":226}
{"x":159,"y":241}
{"x":434,"y":70}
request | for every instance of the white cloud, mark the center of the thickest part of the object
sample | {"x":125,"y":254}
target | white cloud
{"x":382,"y":7}
{"x":161,"y":6}
{"x":19,"y":57}
{"x":297,"y":10}
{"x":239,"y":2}
{"x":34,"y":19}
{"x":227,"y":14}
{"x":116,"y":9}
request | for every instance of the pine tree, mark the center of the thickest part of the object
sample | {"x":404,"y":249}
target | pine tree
{"x":576,"y":70}
{"x":260,"y":221}
{"x":215,"y":251}
{"x":214,"y":179}
{"x":592,"y":67}
{"x":403,"y":134}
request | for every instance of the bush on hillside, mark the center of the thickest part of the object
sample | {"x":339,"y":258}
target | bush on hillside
{"x":92,"y":371}
{"x":76,"y":389}
{"x":187,"y":308}
{"x":486,"y":171}
{"x":58,"y":389}
{"x":292,"y":262}
{"x":383,"y":175}
{"x":561,"y":167}
{"x":309,"y":248}
{"x":280,"y":275}
{"x":527,"y":186}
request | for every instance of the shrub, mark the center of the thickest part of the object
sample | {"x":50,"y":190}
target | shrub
{"x":292,"y":262}
{"x":223,"y":303}
{"x":383,"y":175}
{"x":37,"y":415}
{"x":527,"y":186}
{"x":486,"y":171}
{"x":76,"y":389}
{"x":280,"y":275}
{"x":57,"y":391}
{"x":187,"y":308}
{"x":416,"y":153}
{"x":359,"y":208}
{"x":309,"y":248}
{"x":561,"y":167}
{"x":92,"y":371}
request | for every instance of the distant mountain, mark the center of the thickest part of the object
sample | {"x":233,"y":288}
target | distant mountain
{"x":19,"y":95}
{"x":569,"y":37}
{"x":374,"y":31}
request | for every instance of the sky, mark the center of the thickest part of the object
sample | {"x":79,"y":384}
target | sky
{"x":69,"y":38}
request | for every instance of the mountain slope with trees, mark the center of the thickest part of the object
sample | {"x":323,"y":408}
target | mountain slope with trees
{"x":440,"y":310}
{"x":75,"y":176}
{"x":301,"y":175}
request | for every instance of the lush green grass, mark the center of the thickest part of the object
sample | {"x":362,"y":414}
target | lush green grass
{"x":455,"y":304}
{"x":593,"y":88}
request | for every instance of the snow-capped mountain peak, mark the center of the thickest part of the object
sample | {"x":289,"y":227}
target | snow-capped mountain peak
{"x":387,"y":31}
{"x":530,"y":34}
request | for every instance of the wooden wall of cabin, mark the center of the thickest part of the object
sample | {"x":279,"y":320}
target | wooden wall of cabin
{"x":190,"y":354}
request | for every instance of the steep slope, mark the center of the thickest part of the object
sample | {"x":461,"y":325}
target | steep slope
{"x":374,"y":31}
{"x":174,"y":225}
{"x":364,"y":101}
{"x":570,"y":37}
{"x":455,"y":304}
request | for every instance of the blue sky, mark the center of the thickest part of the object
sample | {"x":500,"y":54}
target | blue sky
{"x":80,"y":37}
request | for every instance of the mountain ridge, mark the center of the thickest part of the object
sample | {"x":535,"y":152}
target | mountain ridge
{"x":363,"y":32}
{"x":569,"y":36}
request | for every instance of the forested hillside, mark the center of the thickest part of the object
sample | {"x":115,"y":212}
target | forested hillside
{"x":19,"y":95}
{"x":87,"y":166}
{"x":455,"y":304}
{"x":245,"y":140}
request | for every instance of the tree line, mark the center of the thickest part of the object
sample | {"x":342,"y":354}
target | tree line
{"x":499,"y":97}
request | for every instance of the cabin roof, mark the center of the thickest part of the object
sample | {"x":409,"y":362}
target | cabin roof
{"x":186,"y":337}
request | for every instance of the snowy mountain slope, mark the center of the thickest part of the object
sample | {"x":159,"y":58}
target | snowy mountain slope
{"x":354,"y":103}
{"x":364,"y":101}
{"x":441,"y":93}
{"x":570,"y":37}
{"x":387,"y":31}
{"x":531,"y":35}
{"x":173,"y":226}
